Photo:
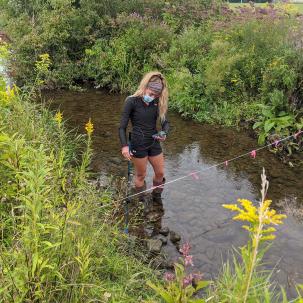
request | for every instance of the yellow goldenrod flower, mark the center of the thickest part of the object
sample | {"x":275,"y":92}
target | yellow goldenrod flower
{"x":258,"y":217}
{"x":247,"y":228}
{"x":44,"y":57}
{"x":89,"y":127}
{"x":8,"y":94}
{"x":249,"y":209}
{"x":58,"y":117}
{"x":43,"y":63}
{"x":269,"y":237}
{"x":269,"y":230}
{"x":233,"y":207}
{"x":11,"y":92}
{"x":244,"y":217}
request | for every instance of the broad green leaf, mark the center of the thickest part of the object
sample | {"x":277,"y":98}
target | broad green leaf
{"x":262,"y":138}
{"x":201,"y":284}
{"x":162,"y":292}
{"x":267,"y":113}
{"x":257,"y":124}
{"x":268,"y":125}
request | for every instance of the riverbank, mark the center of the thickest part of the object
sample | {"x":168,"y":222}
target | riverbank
{"x":59,"y":241}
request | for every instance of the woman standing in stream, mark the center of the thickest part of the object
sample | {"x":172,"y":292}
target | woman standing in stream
{"x":148,"y":104}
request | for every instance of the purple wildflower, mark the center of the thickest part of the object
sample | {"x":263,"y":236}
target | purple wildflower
{"x":185,"y":249}
{"x":168,"y":277}
{"x":188,"y":260}
{"x":187,"y":280}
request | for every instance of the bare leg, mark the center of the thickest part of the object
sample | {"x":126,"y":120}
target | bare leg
{"x":157,"y":163}
{"x":140,"y":170}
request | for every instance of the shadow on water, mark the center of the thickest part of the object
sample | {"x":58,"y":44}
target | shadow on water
{"x":193,"y":207}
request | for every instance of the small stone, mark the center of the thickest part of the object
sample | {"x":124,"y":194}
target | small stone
{"x":154,"y":246}
{"x":148,"y":231}
{"x":161,"y":263}
{"x":174,"y":237}
{"x":164,"y":231}
{"x":162,"y":238}
{"x":153,"y":217}
{"x":102,"y":181}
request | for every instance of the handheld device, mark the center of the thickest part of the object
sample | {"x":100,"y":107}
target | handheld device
{"x":161,"y":134}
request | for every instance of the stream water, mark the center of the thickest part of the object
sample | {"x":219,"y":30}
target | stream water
{"x":193,"y":208}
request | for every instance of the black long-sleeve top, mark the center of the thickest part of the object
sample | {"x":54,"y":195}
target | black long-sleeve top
{"x":143,"y":116}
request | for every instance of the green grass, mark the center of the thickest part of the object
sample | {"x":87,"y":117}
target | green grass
{"x":58,"y":240}
{"x":299,"y":6}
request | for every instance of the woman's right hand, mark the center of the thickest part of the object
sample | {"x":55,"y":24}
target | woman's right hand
{"x":125,"y":152}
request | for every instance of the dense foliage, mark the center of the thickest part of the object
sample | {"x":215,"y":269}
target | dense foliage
{"x":227,"y":66}
{"x":57,"y":240}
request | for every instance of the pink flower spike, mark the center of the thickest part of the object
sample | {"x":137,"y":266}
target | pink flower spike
{"x":187,"y":280}
{"x":188,"y":260}
{"x":226,"y":163}
{"x":253,"y":154}
{"x":185,"y":249}
{"x":276,"y":143}
{"x":195,"y":175}
{"x":168,"y":277}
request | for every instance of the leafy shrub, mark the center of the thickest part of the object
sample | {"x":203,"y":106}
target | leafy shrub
{"x":233,"y":68}
{"x":120,"y":62}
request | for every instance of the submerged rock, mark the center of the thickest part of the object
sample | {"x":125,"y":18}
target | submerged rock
{"x":174,"y":237}
{"x":161,"y":262}
{"x":148,"y":231}
{"x":153,"y":217}
{"x":164,"y":231}
{"x":154,"y":245}
{"x":162,"y":239}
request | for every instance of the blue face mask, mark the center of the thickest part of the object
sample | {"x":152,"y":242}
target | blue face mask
{"x":147,"y":98}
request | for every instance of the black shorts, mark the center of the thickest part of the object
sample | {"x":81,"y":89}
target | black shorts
{"x":149,"y":149}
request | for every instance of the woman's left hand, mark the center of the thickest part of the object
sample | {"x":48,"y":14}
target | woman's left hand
{"x":161,"y":139}
{"x":161,"y":136}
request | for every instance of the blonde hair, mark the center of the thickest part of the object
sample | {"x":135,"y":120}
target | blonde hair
{"x":163,"y":99}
